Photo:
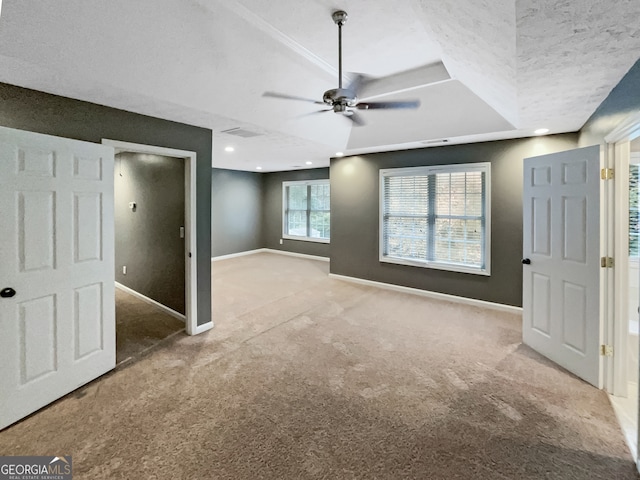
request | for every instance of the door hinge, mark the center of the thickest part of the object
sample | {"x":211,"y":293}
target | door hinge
{"x":606,"y":350}
{"x":606,"y":262}
{"x":606,"y":174}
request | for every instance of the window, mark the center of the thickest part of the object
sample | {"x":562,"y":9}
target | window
{"x":437,"y":217}
{"x":306,"y":210}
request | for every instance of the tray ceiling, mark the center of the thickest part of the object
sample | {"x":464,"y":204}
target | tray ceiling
{"x":482,"y":69}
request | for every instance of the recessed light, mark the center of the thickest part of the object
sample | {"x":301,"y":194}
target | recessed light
{"x":309,"y":163}
{"x":339,"y":154}
{"x":229,"y":149}
{"x":541,"y":131}
{"x":258,"y":168}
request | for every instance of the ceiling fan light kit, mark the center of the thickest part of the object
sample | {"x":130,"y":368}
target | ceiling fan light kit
{"x":344,"y":101}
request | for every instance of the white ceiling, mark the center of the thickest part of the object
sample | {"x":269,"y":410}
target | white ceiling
{"x":482,"y":69}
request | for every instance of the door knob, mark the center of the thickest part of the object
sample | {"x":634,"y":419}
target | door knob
{"x":7,"y":292}
{"x":526,"y":261}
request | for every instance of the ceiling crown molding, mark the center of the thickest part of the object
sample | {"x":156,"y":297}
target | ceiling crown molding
{"x":265,"y":27}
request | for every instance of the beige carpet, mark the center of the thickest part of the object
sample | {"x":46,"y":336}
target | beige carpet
{"x":305,"y":377}
{"x":140,"y":326}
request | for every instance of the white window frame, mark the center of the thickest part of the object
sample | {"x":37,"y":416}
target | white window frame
{"x":285,"y":202}
{"x":430,"y":170}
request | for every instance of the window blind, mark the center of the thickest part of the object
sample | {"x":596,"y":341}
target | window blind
{"x":435,"y":215}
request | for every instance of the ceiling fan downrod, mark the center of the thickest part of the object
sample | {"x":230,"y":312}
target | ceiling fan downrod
{"x":339,"y":17}
{"x":345,"y":100}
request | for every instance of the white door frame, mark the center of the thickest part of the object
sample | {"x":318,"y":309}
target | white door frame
{"x":191,"y":256}
{"x":616,"y":324}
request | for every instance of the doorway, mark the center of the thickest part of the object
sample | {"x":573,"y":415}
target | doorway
{"x":149,"y":230}
{"x":626,"y":152}
{"x":621,"y":324}
{"x":59,"y":262}
{"x":185,"y":235}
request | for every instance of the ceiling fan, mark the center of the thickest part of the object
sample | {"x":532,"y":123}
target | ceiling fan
{"x":345,"y":101}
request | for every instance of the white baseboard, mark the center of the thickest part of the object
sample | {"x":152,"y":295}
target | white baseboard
{"x":201,"y":328}
{"x":271,"y":250}
{"x":239,"y":254}
{"x":293,"y":254}
{"x":436,"y":295}
{"x":144,"y":298}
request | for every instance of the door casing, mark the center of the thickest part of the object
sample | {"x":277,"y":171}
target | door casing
{"x":615,"y":322}
{"x":191,"y":256}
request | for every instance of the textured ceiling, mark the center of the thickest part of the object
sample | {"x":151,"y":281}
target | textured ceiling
{"x":570,"y":56}
{"x":482,"y":69}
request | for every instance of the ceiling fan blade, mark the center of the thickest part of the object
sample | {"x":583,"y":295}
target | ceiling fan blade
{"x":357,"y":80}
{"x":356,"y":119}
{"x":404,"y":81}
{"x":291,"y":97}
{"x":381,"y":105}
{"x":314,"y":112}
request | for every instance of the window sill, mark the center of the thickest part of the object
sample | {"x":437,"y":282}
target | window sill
{"x":436,"y":266}
{"x":306,"y":239}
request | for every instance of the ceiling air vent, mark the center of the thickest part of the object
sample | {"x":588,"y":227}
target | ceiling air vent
{"x":241,"y":132}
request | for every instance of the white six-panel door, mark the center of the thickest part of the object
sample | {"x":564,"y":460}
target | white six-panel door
{"x":56,"y":217}
{"x":561,"y":285}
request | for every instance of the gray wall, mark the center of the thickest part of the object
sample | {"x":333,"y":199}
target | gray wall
{"x":272,"y":212}
{"x":623,"y":100}
{"x":236,"y":211}
{"x":147,"y":239}
{"x":64,"y":117}
{"x":354,"y":216}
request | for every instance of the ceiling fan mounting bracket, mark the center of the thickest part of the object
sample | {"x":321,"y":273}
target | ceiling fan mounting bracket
{"x":339,"y":17}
